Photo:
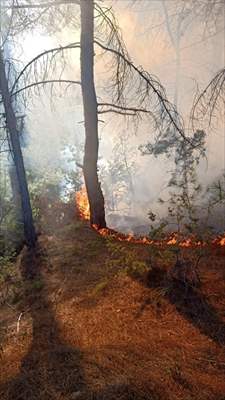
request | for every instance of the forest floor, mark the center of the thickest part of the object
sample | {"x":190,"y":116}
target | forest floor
{"x":93,"y":324}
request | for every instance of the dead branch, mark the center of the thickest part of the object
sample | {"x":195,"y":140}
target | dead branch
{"x":45,"y":82}
{"x":56,"y":3}
{"x":207,"y":103}
{"x":52,"y":51}
{"x":151,"y":85}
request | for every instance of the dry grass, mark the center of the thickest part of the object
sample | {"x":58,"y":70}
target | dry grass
{"x":91,"y":330}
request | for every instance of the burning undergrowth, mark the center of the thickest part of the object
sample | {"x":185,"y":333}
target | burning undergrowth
{"x":171,"y":239}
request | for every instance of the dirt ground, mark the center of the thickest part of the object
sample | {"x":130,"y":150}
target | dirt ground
{"x":94,"y":323}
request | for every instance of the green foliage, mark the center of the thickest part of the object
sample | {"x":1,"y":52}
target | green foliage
{"x":191,"y":209}
{"x":6,"y":264}
{"x":136,"y":269}
{"x":46,"y":185}
{"x":11,"y":228}
{"x":125,"y":258}
{"x":163,"y":255}
{"x":185,"y":209}
{"x":117,"y":175}
{"x":216,"y":193}
{"x":100,"y":286}
{"x":72,"y":177}
{"x":37,"y":284}
{"x":10,"y":281}
{"x":158,"y":232}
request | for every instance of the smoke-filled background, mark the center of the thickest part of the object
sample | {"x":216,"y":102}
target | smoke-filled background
{"x":183,"y":50}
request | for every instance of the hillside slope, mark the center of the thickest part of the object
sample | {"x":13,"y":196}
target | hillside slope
{"x":95,"y":324}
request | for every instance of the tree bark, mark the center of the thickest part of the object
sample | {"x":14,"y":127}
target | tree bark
{"x":16,"y":198}
{"x":94,"y":192}
{"x":29,"y":230}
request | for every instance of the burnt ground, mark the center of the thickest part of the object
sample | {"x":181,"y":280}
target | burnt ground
{"x":94,"y":323}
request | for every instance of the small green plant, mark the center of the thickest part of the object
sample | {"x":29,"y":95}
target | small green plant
{"x":37,"y":284}
{"x":185,"y":269}
{"x":126,"y":260}
{"x":158,"y":256}
{"x":6,"y":266}
{"x":190,"y":207}
{"x":100,"y":287}
{"x":158,"y":233}
{"x":137,"y":269}
{"x":10,"y":280}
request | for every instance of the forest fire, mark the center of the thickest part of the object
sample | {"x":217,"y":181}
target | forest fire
{"x":172,"y":240}
{"x":83,"y":204}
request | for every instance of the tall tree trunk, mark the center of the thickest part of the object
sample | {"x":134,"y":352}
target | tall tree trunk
{"x":29,"y":230}
{"x":94,"y":192}
{"x":16,"y":198}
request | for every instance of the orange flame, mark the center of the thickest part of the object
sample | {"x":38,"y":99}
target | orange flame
{"x":83,"y":204}
{"x":174,"y":239}
{"x":222,"y":241}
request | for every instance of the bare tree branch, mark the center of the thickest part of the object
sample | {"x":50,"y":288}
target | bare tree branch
{"x":208,"y":102}
{"x":126,"y":111}
{"x":45,"y":82}
{"x":112,"y":110}
{"x":44,"y":53}
{"x":52,"y":16}
{"x":153,"y":85}
{"x":42,"y":5}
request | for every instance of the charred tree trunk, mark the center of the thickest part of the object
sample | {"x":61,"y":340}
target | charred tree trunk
{"x":29,"y":230}
{"x":94,"y":192}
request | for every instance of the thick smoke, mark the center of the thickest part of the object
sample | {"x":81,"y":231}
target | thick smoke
{"x":57,"y":123}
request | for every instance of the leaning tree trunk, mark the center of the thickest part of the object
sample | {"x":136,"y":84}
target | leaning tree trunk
{"x":16,"y":198}
{"x":94,"y":192}
{"x":29,"y":230}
